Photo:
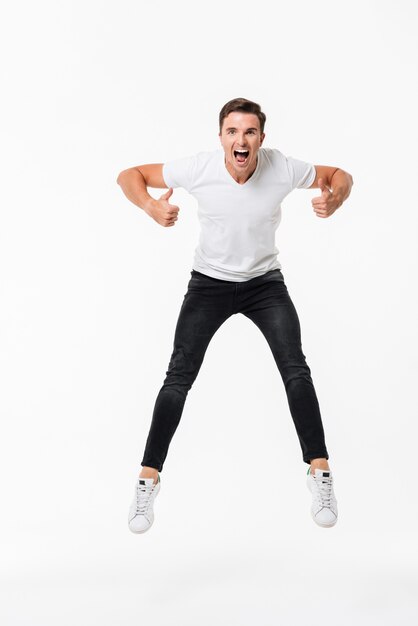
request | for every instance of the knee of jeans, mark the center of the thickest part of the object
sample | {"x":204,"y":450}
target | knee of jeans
{"x":296,"y":374}
{"x":183,"y":367}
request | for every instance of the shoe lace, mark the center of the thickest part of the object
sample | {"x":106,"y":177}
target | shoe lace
{"x":143,"y":497}
{"x":324,"y":484}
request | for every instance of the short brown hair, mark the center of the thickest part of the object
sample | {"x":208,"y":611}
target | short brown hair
{"x":242,"y":104}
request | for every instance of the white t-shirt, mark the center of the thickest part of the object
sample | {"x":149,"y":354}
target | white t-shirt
{"x":238,"y":222}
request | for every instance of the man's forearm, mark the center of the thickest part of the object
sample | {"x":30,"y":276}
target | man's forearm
{"x":135,"y":189}
{"x":341,"y":183}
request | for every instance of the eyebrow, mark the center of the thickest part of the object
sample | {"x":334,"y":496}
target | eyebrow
{"x":233,"y":128}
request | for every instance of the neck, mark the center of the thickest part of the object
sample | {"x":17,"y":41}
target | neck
{"x":238,"y":177}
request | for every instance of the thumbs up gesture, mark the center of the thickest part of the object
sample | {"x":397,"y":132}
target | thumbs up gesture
{"x":163,"y":212}
{"x":325,"y":204}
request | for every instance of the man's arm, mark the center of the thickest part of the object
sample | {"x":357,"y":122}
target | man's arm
{"x":335,"y":185}
{"x":134,"y":182}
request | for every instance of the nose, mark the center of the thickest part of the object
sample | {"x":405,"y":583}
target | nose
{"x":241,"y":140}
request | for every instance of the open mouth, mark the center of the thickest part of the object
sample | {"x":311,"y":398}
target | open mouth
{"x":241,"y":155}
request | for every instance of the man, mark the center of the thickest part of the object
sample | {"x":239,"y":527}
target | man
{"x":239,"y":189}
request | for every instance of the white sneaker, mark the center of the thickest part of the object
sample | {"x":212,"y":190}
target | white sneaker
{"x":324,"y":504}
{"x":141,"y":514}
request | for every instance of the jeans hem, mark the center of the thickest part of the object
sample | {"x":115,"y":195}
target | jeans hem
{"x":316,"y":455}
{"x":152,"y":464}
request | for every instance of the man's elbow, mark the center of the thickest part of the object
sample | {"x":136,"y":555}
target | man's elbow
{"x":348,"y":175}
{"x":119,"y":178}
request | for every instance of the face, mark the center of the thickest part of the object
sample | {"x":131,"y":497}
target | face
{"x":241,"y":132}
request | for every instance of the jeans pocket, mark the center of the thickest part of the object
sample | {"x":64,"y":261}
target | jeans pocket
{"x":275,"y":275}
{"x":197,"y":280}
{"x":198,"y":276}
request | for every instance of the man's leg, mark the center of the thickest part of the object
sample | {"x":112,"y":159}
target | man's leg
{"x":320,"y":464}
{"x":270,"y":307}
{"x":207,"y":304}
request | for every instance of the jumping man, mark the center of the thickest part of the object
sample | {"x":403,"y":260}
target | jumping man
{"x":239,"y":189}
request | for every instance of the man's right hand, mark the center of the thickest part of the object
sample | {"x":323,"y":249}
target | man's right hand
{"x":162,"y":211}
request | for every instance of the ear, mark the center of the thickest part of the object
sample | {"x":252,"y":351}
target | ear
{"x":262,"y":138}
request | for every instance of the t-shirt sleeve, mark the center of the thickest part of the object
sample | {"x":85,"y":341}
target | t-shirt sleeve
{"x":179,"y":172}
{"x":302,"y":174}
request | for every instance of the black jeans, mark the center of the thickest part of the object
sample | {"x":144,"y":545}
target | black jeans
{"x":206,"y":305}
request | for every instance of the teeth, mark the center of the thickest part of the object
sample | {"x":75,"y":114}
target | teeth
{"x":241,"y":150}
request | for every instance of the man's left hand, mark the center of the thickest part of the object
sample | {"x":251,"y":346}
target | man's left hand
{"x":325,"y":204}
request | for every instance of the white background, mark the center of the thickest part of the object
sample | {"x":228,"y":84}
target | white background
{"x":91,"y":288}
